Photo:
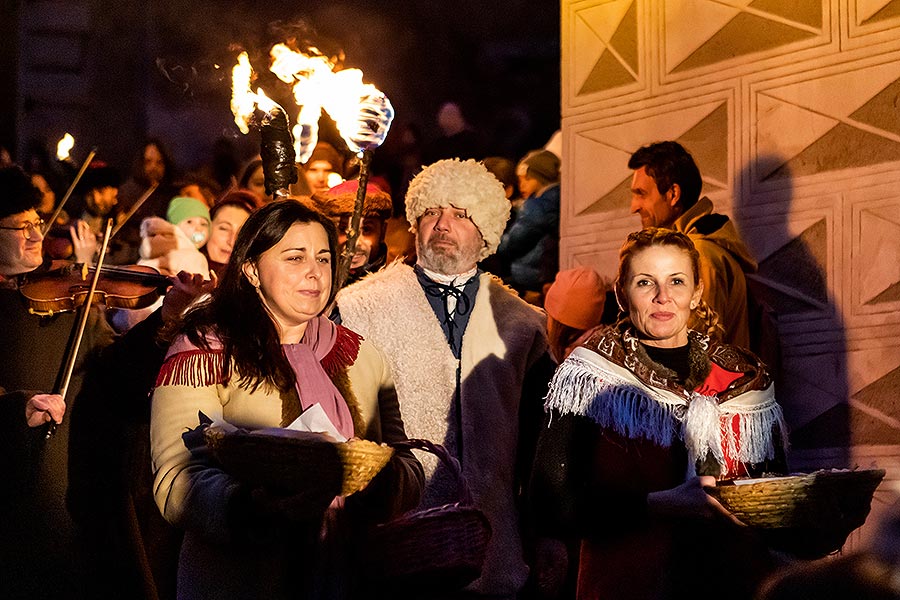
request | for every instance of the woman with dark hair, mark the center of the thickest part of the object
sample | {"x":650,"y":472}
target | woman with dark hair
{"x":640,"y":418}
{"x":228,"y":216}
{"x":257,"y":354}
{"x":153,"y":165}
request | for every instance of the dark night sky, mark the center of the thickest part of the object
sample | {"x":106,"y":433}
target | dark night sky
{"x":499,"y":60}
{"x":146,"y":69}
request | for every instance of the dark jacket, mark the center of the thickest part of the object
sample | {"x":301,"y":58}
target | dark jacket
{"x":60,"y":488}
{"x":531,"y":246}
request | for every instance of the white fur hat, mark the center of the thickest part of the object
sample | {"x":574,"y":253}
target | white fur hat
{"x":463,"y":184}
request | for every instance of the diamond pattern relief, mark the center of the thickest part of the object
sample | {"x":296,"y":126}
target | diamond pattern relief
{"x":794,"y":275}
{"x":828,"y":123}
{"x":871,"y":417}
{"x":699,"y":33}
{"x":879,"y":261}
{"x":877,"y":415}
{"x":873,"y":11}
{"x":607,"y":42}
{"x":703,"y":130}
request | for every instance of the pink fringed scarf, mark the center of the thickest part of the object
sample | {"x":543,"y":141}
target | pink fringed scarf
{"x":325,"y":350}
{"x":314,"y":386}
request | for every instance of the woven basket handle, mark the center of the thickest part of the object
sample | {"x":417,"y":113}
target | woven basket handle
{"x":463,"y":492}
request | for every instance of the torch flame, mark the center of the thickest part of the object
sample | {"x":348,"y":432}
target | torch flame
{"x":243,"y":101}
{"x":309,"y":76}
{"x":362,"y":113}
{"x":64,"y":146}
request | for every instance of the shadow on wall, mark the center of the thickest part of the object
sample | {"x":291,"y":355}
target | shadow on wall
{"x":796,"y":325}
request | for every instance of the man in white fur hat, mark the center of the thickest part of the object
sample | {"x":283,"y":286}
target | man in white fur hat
{"x":469,"y":358}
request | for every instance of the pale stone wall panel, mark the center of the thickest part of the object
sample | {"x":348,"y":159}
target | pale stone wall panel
{"x":791,"y":111}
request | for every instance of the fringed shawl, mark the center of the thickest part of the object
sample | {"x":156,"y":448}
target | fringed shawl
{"x":186,"y":364}
{"x":600,"y":381}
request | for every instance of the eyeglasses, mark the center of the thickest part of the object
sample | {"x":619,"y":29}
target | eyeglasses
{"x":28,"y":228}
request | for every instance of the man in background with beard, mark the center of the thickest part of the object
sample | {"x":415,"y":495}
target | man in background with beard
{"x":469,"y":358}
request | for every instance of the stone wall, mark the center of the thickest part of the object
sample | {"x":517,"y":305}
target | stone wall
{"x":791,"y":112}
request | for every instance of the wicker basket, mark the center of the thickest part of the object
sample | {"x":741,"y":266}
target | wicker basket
{"x":807,"y":515}
{"x":440,"y":548}
{"x":361,"y":460}
{"x":290,"y":461}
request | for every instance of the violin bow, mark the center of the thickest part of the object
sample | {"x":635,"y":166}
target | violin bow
{"x":72,"y":355}
{"x":134,"y":208}
{"x":69,"y":191}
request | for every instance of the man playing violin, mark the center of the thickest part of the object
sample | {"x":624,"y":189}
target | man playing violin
{"x":39,"y":553}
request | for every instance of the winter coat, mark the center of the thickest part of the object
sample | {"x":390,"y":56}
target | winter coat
{"x":42,"y":546}
{"x":531,"y":246}
{"x":724,"y":260}
{"x":195,"y":493}
{"x":497,"y":385}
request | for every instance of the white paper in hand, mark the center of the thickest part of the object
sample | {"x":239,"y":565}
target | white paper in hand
{"x":314,"y":420}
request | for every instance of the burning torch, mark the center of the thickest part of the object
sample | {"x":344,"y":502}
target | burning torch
{"x":276,"y":146}
{"x":363,"y":134}
{"x":63,"y":148}
{"x":362,"y":113}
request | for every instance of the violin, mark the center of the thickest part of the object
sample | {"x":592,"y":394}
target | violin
{"x":65,"y":289}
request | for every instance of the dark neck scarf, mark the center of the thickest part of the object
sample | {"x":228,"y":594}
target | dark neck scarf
{"x":676,"y":359}
{"x":453,"y":322}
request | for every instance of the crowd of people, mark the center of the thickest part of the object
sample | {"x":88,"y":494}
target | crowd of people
{"x":587,"y":416}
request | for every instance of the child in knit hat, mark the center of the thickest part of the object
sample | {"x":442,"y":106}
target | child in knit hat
{"x":173,"y":244}
{"x":170,"y":245}
{"x":192,"y":217}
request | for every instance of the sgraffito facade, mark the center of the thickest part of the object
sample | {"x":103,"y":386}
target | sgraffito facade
{"x":792,"y":112}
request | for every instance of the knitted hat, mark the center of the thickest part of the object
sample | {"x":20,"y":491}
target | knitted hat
{"x":341,"y":199}
{"x":576,"y":298}
{"x":183,"y":208}
{"x":463,"y":184}
{"x":17,"y":194}
{"x":543,"y":166}
{"x":325,"y":151}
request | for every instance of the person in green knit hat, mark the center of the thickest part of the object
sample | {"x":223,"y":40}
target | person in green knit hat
{"x":192,"y":217}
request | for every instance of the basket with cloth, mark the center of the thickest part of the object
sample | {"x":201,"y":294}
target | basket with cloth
{"x":807,"y":515}
{"x":287,"y":460}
